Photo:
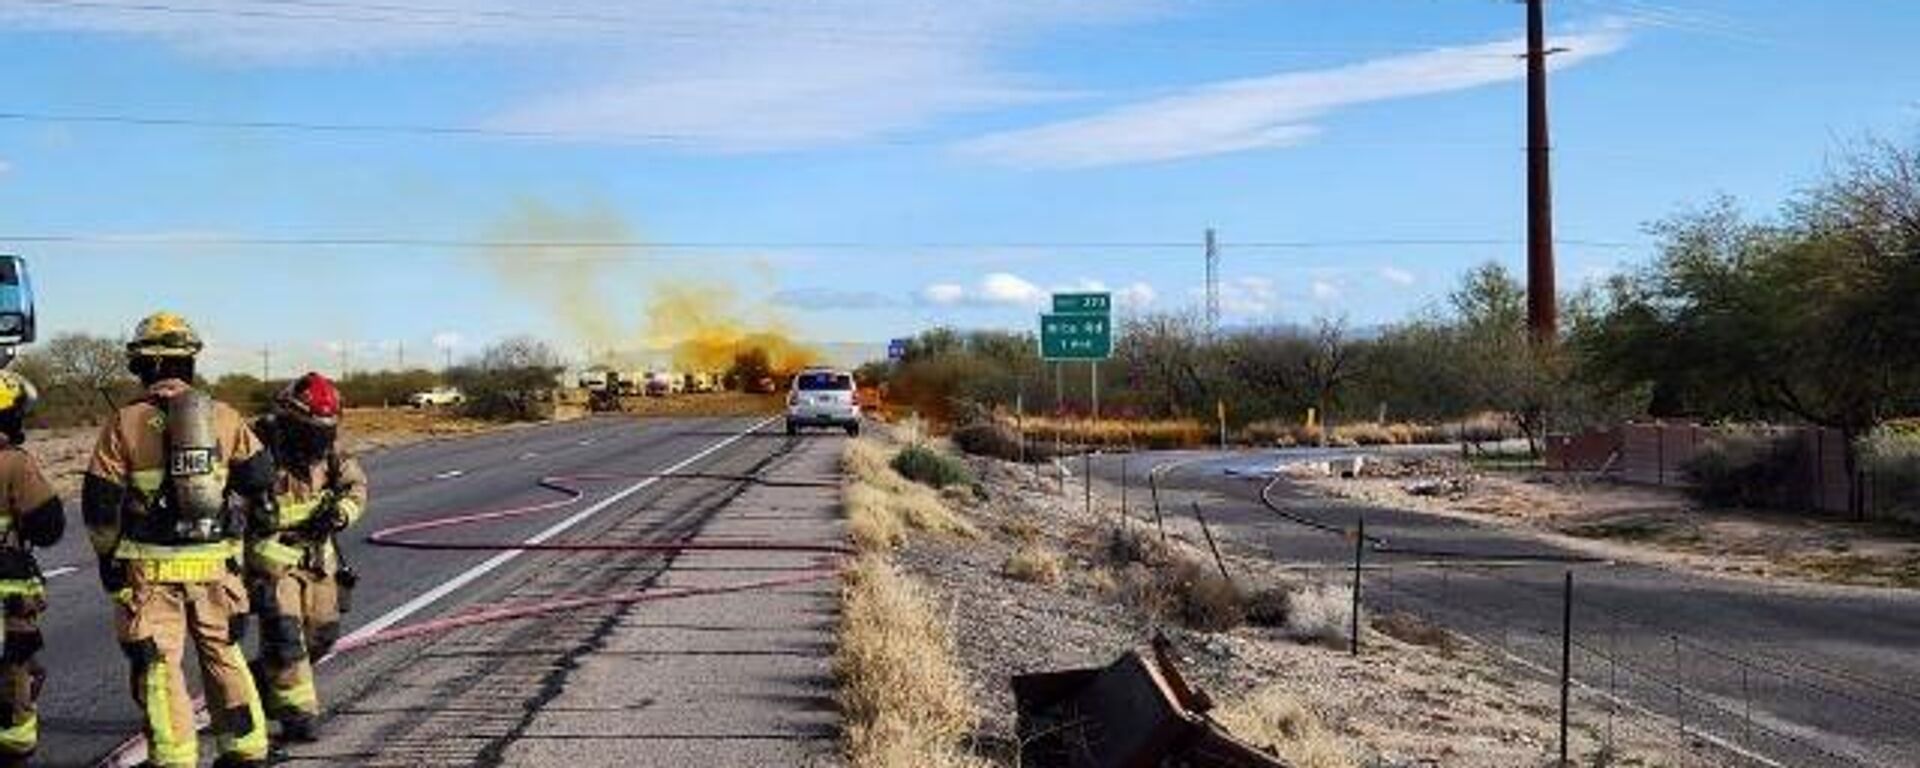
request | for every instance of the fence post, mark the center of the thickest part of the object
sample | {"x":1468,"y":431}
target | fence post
{"x":1086,"y":478}
{"x":1207,"y":531}
{"x":1153,"y":488}
{"x":1566,"y":663}
{"x":1359,"y":550}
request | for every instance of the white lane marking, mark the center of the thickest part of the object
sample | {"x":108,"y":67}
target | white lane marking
{"x":450,"y":474}
{"x":586,"y":441}
{"x":60,"y":571}
{"x":425,"y":599}
{"x":529,"y":455}
{"x":135,"y":752}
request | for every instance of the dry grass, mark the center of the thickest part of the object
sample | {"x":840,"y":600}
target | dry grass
{"x":882,"y":506}
{"x":1408,"y":628}
{"x":1274,"y":719}
{"x":1287,"y":434}
{"x":1169,"y":433}
{"x":1034,"y":563}
{"x":903,"y":696}
{"x":1320,"y":614}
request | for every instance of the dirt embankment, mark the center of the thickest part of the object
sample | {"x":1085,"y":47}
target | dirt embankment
{"x":1636,"y":523}
{"x":1046,"y":586}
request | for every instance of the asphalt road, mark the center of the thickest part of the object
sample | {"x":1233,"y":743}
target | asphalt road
{"x":1737,"y":671}
{"x":86,"y":710}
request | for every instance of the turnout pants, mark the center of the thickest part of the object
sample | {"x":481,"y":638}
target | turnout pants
{"x":299,"y":611}
{"x":156,"y":621}
{"x":20,"y":674}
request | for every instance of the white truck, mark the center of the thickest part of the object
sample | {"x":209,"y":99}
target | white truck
{"x":438,"y":397}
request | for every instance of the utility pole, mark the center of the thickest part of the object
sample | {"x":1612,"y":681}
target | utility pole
{"x":1542,"y":313}
{"x":1213,"y":283}
{"x":266,"y":364}
{"x":400,"y":355}
{"x":343,"y":361}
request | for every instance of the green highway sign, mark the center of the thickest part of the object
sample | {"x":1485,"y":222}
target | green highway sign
{"x":1075,"y":336}
{"x":1082,"y":303}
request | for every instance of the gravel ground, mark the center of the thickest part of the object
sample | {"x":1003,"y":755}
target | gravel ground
{"x":1396,"y":705}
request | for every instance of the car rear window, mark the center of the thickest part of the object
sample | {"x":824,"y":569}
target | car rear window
{"x":818,"y":382}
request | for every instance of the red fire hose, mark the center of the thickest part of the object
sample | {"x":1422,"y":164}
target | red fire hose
{"x":822,"y":567}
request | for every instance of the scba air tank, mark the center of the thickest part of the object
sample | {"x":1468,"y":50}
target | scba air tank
{"x":197,"y":490}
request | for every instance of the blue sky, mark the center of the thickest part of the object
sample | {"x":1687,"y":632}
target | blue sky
{"x":852,"y":170}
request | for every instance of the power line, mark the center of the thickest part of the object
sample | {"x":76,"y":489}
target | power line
{"x":224,"y":241}
{"x":659,"y":28}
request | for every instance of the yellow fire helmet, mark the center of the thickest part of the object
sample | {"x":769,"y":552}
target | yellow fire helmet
{"x":164,"y":334}
{"x":17,"y":393}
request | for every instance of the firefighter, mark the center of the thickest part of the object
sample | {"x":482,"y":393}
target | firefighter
{"x":30,"y":516}
{"x":297,"y":582}
{"x":175,"y":479}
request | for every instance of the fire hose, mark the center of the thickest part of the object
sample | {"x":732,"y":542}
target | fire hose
{"x":410,"y":536}
{"x":403,"y":536}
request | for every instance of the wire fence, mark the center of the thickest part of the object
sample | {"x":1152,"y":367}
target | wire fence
{"x":1703,"y":702}
{"x":1632,"y":682}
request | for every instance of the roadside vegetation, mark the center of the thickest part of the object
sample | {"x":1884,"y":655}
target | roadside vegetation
{"x":1274,"y":718}
{"x":1804,"y":317}
{"x":902,"y":694}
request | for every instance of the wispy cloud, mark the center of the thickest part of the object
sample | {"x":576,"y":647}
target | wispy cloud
{"x":710,"y":75}
{"x":1397,"y":276}
{"x":1272,"y":111}
{"x":1325,"y":291}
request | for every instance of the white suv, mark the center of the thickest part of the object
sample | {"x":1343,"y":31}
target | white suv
{"x":822,"y":397}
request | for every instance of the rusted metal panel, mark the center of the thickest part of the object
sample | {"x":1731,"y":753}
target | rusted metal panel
{"x":1137,"y":712}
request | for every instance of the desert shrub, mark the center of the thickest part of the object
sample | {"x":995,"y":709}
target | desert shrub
{"x":1034,"y":563}
{"x":990,"y":438}
{"x":882,"y":505}
{"x":930,"y":467}
{"x":1268,"y":607}
{"x":1890,"y":456}
{"x":1202,"y":598}
{"x":1320,"y":614}
{"x":1158,"y":580}
{"x":1129,"y":544}
{"x":1746,"y":467}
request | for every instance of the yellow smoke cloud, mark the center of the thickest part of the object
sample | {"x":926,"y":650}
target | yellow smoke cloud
{"x":701,"y":323}
{"x":705,"y":324}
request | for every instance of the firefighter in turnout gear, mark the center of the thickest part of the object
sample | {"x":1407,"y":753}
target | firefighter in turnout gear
{"x":298,"y":583}
{"x":30,"y":516}
{"x":175,"y":479}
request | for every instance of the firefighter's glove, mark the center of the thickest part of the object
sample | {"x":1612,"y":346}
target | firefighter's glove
{"x":113,"y":575}
{"x":327,"y":519}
